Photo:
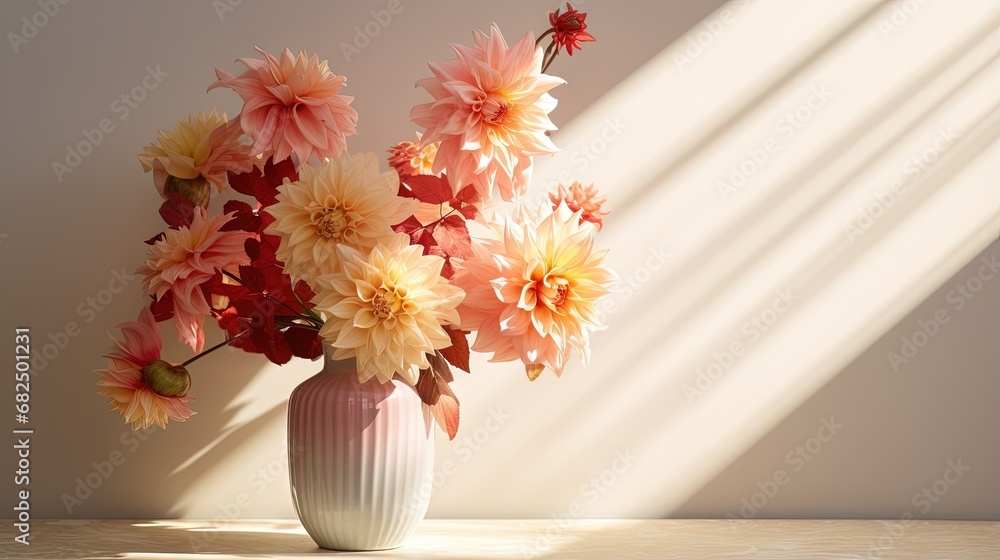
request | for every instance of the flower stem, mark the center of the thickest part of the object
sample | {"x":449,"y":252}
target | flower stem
{"x":544,"y":35}
{"x":214,"y":348}
{"x":550,"y":56}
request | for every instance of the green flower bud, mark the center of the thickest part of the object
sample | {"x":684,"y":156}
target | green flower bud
{"x":196,"y":190}
{"x":165,"y":379}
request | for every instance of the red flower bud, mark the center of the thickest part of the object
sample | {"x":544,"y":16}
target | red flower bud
{"x":569,"y":29}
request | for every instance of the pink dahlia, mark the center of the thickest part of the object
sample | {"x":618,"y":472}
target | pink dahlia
{"x":183,"y":260}
{"x":586,"y":200}
{"x":292,"y":106}
{"x":532,"y":290}
{"x":142,"y":387}
{"x":490,"y":113}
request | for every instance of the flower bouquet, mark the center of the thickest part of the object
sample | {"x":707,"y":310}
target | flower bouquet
{"x":319,"y":248}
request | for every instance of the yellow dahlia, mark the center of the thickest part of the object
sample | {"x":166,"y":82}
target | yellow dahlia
{"x":532,"y":292}
{"x":198,"y":152}
{"x":387,"y":308}
{"x":346,"y":201}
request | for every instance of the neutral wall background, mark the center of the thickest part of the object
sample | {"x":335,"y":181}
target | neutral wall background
{"x":66,"y":241}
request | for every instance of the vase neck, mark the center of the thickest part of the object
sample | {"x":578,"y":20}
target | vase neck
{"x":335,"y":366}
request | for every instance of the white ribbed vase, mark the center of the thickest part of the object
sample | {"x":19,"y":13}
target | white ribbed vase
{"x":361,"y":458}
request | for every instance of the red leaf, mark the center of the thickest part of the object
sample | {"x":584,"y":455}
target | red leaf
{"x":273,"y":347}
{"x":279,"y":353}
{"x":446,"y":413}
{"x":276,"y":173}
{"x":262,"y":185}
{"x":427,"y":387}
{"x":469,"y":194}
{"x":237,"y":207}
{"x":429,"y":189}
{"x":155,"y":238}
{"x":440,"y":367}
{"x":177,"y":210}
{"x":408,"y":226}
{"x":447,"y":271}
{"x":163,"y":308}
{"x":304,"y":342}
{"x":467,"y":201}
{"x":458,"y":353}
{"x":453,"y":236}
{"x":433,"y":388}
{"x":242,"y":222}
{"x":253,"y":279}
{"x":258,"y":335}
{"x":419,"y":235}
{"x":425,"y":238}
{"x":252,"y":247}
{"x":470,"y":212}
{"x":427,"y":384}
{"x":304,"y":292}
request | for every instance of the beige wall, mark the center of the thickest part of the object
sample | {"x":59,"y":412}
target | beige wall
{"x":66,"y":243}
{"x":903,"y":427}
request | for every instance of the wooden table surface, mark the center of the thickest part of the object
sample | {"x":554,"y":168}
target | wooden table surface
{"x":583,"y":539}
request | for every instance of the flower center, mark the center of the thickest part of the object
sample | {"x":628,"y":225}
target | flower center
{"x":495,"y":109}
{"x":331,"y":224}
{"x":561,"y":293}
{"x":382,"y":304}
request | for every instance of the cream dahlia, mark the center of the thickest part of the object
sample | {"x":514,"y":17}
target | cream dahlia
{"x":197,"y":153}
{"x":531,"y":292}
{"x":410,"y":158}
{"x":586,"y":200}
{"x":133,"y":366}
{"x":387,"y":308}
{"x":490,"y":113}
{"x":346,"y":201}
{"x":183,"y":260}
{"x":292,"y":106}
